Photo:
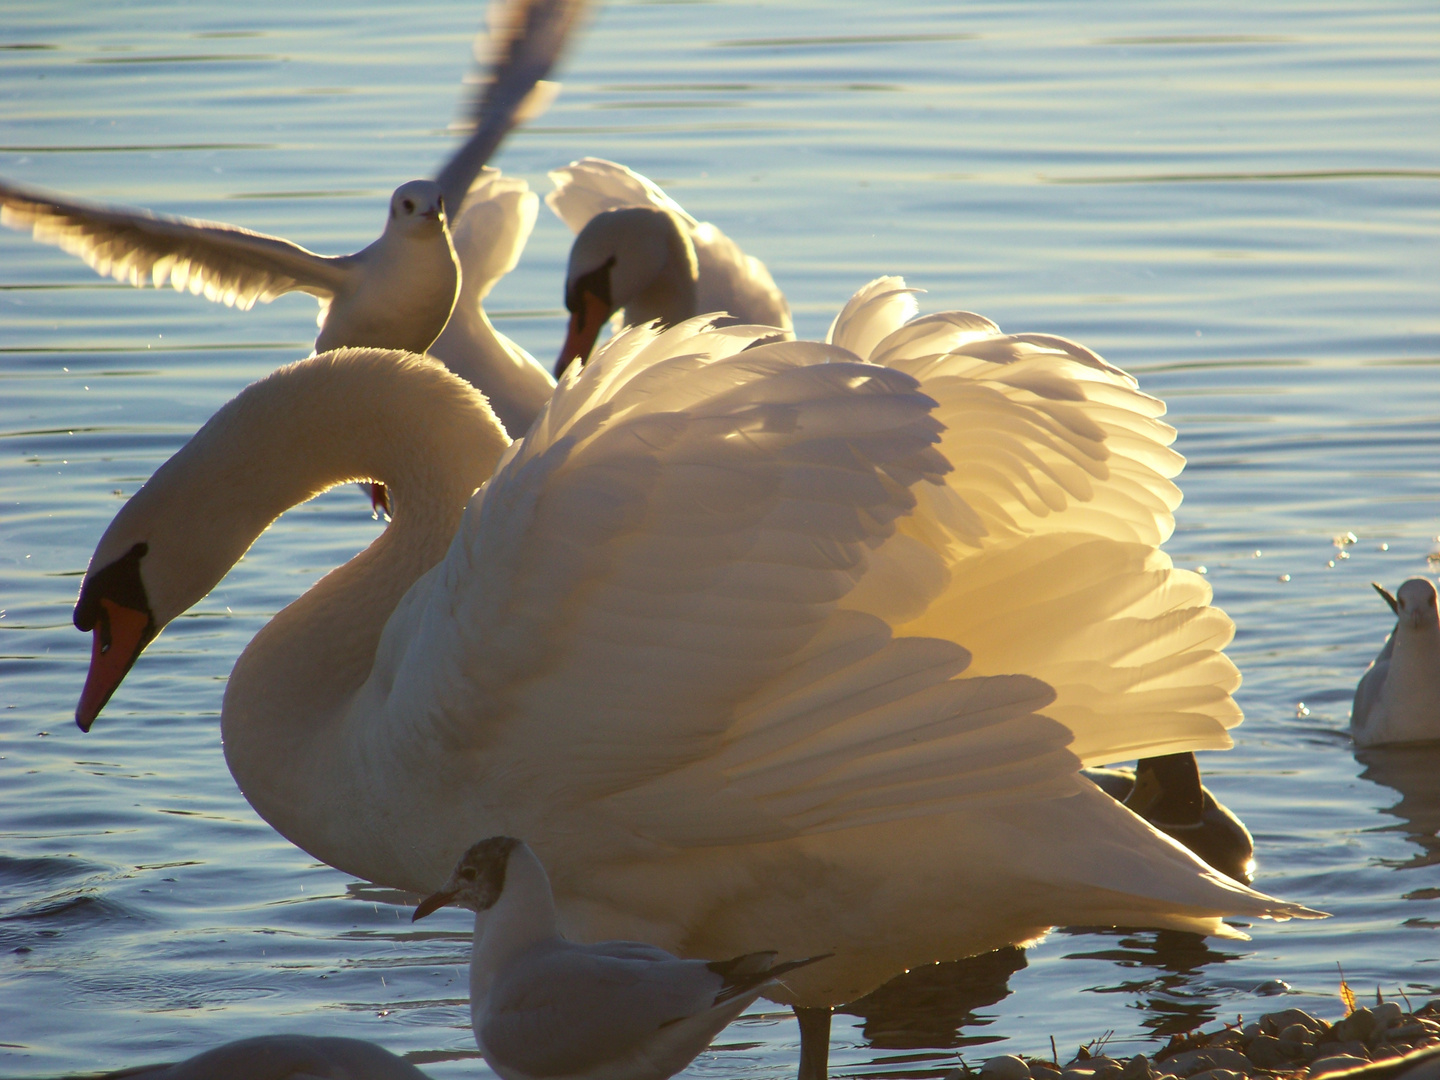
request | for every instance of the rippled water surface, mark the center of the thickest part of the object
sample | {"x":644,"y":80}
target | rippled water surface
{"x":1240,"y":203}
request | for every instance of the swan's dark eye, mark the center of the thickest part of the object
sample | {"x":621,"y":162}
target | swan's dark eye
{"x":409,"y":205}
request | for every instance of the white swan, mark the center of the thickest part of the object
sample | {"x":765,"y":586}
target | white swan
{"x":637,"y":249}
{"x":396,"y":293}
{"x":1398,"y":697}
{"x":699,"y":636}
{"x":544,"y":1008}
{"x":490,"y":232}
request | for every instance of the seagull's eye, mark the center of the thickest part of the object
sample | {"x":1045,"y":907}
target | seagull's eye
{"x":468,"y":873}
{"x":409,"y":205}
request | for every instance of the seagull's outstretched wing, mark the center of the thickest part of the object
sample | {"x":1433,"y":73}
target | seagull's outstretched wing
{"x":524,"y":41}
{"x":222,"y":262}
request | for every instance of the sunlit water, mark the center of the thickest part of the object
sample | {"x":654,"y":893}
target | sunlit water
{"x":1241,"y":205}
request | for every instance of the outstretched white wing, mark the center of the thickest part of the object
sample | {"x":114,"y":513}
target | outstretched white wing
{"x":222,"y":262}
{"x":646,"y":598}
{"x":1041,"y":553}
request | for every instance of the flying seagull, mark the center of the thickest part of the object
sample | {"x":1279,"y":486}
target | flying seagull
{"x":398,"y":292}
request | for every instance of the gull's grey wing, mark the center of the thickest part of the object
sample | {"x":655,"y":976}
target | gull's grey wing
{"x":1367,"y":692}
{"x":224,"y":263}
{"x":283,"y":1057}
{"x":566,"y":1008}
{"x":525,"y":39}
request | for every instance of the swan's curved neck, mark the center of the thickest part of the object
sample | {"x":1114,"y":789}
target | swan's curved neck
{"x":672,"y":295}
{"x":357,"y":415}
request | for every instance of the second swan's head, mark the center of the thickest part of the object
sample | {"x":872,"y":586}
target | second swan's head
{"x":634,"y":257}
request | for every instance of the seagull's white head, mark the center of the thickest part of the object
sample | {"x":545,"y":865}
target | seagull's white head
{"x":1415,"y":604}
{"x":478,"y":879}
{"x":417,"y":208}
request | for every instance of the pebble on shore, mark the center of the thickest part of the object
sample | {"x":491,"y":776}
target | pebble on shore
{"x":1287,"y":1044}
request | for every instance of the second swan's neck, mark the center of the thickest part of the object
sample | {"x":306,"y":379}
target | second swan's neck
{"x":429,"y":438}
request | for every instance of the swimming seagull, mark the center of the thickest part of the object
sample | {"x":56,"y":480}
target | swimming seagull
{"x":543,"y":1007}
{"x":284,"y":1057}
{"x":637,"y":249}
{"x":1398,"y":698}
{"x":398,"y":292}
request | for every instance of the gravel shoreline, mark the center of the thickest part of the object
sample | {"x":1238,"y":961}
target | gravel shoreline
{"x":1288,"y":1044}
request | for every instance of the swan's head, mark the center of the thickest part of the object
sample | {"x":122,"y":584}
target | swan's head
{"x":417,"y":209}
{"x":341,"y":416}
{"x":478,"y":879}
{"x":139,"y":579}
{"x":635,"y":257}
{"x":114,"y":605}
{"x":1414,"y":604}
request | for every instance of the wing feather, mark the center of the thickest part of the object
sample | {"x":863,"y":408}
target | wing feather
{"x":1041,"y":553}
{"x":224,"y":263}
{"x":646,"y":595}
{"x":523,"y":43}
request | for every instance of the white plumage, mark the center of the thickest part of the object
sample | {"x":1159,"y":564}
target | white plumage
{"x":1398,"y":697}
{"x":759,"y":647}
{"x":490,"y":232}
{"x":729,"y":280}
{"x":544,"y":1008}
{"x":396,"y":293}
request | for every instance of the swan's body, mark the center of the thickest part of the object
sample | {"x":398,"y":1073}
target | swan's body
{"x":283,"y":1057}
{"x":544,"y":1008}
{"x":1398,"y":697}
{"x":490,"y":231}
{"x":698,"y":638}
{"x":398,"y":292}
{"x":637,"y":249}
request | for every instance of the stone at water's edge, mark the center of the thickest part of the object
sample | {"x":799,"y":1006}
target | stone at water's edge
{"x":1286,"y":1044}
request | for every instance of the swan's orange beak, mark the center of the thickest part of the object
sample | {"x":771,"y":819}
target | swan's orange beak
{"x":120,"y":634}
{"x":586,"y":319}
{"x":433,"y":903}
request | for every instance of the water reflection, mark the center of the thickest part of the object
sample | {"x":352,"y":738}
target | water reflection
{"x":1167,"y":982}
{"x":1413,"y":771}
{"x":926,"y":1007}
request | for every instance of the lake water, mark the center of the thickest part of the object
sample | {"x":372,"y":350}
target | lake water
{"x":1240,"y":203}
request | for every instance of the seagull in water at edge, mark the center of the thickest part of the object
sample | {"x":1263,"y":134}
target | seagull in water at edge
{"x":1398,"y":699}
{"x":398,"y":292}
{"x":283,"y":1057}
{"x":545,"y":1007}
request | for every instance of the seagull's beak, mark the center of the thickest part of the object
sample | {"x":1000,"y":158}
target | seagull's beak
{"x":433,"y":903}
{"x":1389,"y":599}
{"x":585,"y":323}
{"x":120,"y":634}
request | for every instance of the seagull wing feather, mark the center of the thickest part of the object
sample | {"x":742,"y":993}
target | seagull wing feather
{"x":223,"y":262}
{"x":525,"y":39}
{"x":570,"y":1008}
